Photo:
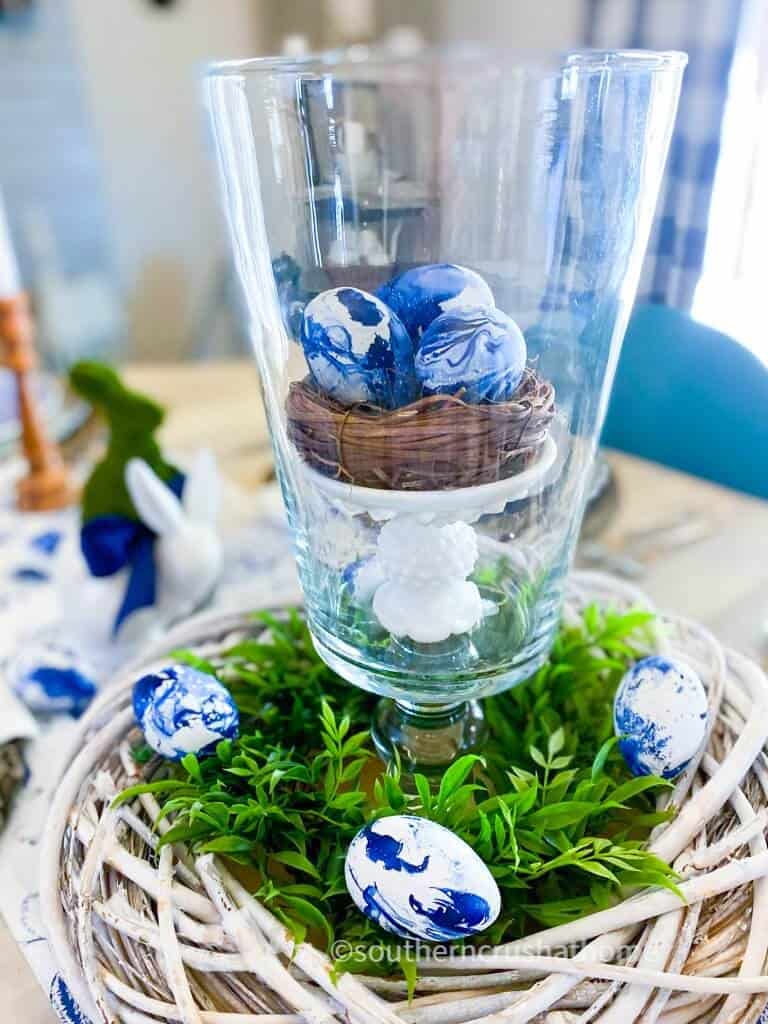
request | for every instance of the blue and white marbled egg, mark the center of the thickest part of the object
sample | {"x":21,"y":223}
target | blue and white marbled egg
{"x":51,"y":678}
{"x":357,"y":349}
{"x":479,"y":352}
{"x":420,"y":295}
{"x":660,"y":713}
{"x":419,"y":880}
{"x":182,"y":710}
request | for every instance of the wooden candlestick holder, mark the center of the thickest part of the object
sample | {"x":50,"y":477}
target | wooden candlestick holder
{"x":47,"y":484}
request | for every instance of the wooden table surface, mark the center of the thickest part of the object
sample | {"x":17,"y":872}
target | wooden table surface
{"x":721,"y":580}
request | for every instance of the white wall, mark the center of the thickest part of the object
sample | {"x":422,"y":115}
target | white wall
{"x":520,"y":24}
{"x":140,"y":67}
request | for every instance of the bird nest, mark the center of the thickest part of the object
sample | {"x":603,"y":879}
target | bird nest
{"x":436,"y":443}
{"x":143,"y":937}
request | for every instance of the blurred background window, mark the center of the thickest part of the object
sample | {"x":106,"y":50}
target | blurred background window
{"x":51,"y":182}
{"x":104,"y":167}
{"x":731,"y":293}
{"x":707,"y":30}
{"x":106,"y":177}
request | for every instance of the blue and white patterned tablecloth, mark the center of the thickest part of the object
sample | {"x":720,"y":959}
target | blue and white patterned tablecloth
{"x":44,"y":585}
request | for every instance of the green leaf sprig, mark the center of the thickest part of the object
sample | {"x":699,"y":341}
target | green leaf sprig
{"x":550,"y":806}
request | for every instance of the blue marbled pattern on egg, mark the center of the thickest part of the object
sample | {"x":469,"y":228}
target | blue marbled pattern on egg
{"x":51,"y":678}
{"x":422,"y":294}
{"x":482,"y":352}
{"x":660,"y":712}
{"x":184,"y":711}
{"x":357,"y":350}
{"x":65,"y":1005}
{"x":419,"y":880}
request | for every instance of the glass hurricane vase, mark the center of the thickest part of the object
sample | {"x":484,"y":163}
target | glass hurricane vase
{"x":438,"y":257}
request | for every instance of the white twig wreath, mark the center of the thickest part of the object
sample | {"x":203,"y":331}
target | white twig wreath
{"x":143,"y":939}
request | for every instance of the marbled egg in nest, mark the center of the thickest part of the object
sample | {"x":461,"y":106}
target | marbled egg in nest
{"x":478,"y":353}
{"x":420,"y":295}
{"x":357,"y":349}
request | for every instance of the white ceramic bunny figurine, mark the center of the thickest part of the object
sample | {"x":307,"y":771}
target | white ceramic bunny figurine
{"x":426,"y":594}
{"x":188,"y":551}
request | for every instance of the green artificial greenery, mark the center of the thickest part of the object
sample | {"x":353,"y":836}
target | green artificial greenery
{"x":133,"y":420}
{"x":550,"y":806}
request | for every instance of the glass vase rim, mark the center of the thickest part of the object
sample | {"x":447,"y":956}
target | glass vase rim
{"x":545,"y":64}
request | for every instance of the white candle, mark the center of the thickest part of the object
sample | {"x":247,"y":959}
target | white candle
{"x":10,"y":283}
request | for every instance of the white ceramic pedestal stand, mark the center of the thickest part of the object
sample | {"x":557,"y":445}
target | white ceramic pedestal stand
{"x":426,"y":549}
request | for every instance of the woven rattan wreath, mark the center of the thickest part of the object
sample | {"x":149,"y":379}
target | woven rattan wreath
{"x":181,"y":939}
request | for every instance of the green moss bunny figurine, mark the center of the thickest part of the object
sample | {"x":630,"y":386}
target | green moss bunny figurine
{"x":133,"y":420}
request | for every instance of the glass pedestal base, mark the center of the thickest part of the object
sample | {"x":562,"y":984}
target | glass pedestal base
{"x":427,"y":737}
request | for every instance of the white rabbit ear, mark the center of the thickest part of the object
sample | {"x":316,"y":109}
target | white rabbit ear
{"x":157,"y":505}
{"x":200,"y":497}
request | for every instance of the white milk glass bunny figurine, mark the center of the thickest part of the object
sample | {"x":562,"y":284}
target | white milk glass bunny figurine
{"x":188,"y":550}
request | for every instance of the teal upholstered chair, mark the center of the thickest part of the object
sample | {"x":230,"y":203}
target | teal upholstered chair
{"x":693,"y":398}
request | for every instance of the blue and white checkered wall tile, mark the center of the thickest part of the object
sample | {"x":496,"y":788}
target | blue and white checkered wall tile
{"x":707,"y":31}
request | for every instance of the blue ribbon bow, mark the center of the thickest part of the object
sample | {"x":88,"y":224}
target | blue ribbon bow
{"x":111,"y":542}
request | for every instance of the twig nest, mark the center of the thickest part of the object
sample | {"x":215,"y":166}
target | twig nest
{"x":184,"y":711}
{"x":435,"y":443}
{"x":660,"y":714}
{"x":480,"y":353}
{"x":419,"y":880}
{"x":422,"y":386}
{"x":420,"y":295}
{"x":357,"y":349}
{"x":51,"y":678}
